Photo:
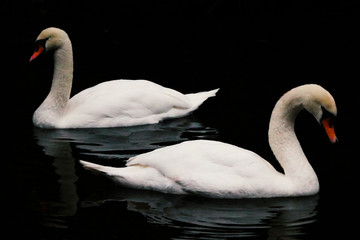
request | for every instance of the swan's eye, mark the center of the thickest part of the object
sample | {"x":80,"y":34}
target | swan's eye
{"x":327,"y":114}
{"x":40,"y":43}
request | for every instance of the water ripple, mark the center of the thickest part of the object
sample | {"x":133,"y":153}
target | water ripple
{"x":201,"y":218}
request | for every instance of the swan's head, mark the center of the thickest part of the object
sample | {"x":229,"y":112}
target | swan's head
{"x":49,"y":39}
{"x":321,"y":105}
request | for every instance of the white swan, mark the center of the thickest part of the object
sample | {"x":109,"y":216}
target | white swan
{"x":109,"y":104}
{"x":219,"y":170}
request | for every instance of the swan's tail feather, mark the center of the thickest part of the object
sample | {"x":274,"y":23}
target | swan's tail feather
{"x":136,"y":176}
{"x":96,"y":167}
{"x":198,"y":98}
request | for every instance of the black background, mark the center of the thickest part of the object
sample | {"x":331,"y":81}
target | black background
{"x":253,"y":50}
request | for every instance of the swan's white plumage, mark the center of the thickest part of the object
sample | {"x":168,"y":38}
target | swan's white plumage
{"x":220,"y":170}
{"x":201,"y":167}
{"x":109,"y":104}
{"x":128,"y":102}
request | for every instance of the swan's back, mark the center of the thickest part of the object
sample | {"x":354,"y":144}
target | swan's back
{"x":124,"y":103}
{"x":211,"y":168}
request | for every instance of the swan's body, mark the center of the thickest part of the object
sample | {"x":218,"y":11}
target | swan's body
{"x":200,"y":167}
{"x":220,"y":170}
{"x":109,"y":104}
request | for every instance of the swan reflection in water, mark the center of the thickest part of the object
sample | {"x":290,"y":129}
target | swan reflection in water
{"x":202,"y":218}
{"x":65,"y":146}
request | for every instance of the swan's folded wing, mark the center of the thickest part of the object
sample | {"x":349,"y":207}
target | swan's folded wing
{"x":208,"y":168}
{"x":126,"y":95}
{"x":123,"y":102}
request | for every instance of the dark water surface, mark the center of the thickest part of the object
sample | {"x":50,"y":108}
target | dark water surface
{"x":253,"y":50}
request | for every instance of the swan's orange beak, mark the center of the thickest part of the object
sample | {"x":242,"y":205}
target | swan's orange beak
{"x":329,"y":128}
{"x":37,"y":52}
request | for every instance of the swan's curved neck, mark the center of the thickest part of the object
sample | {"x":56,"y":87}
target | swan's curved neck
{"x":63,"y":74}
{"x":286,"y":147}
{"x":54,"y":104}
